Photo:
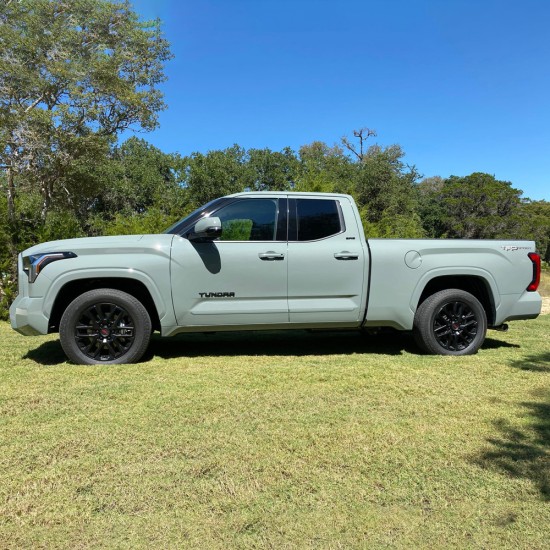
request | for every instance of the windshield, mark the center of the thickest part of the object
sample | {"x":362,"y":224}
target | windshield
{"x":191,"y":219}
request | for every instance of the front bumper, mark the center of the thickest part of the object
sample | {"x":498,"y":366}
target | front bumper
{"x":26,"y":316}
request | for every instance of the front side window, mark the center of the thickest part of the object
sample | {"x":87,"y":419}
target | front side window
{"x":317,"y":219}
{"x":249,"y":220}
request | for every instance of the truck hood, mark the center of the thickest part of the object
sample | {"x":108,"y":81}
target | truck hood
{"x":104,"y":244}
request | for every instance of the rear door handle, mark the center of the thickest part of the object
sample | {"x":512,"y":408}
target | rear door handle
{"x":345,"y":255}
{"x":271,"y":256}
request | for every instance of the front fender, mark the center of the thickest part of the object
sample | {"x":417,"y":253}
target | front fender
{"x":161,"y":297}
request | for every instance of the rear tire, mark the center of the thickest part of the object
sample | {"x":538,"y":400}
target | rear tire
{"x":105,"y":326}
{"x":450,"y":322}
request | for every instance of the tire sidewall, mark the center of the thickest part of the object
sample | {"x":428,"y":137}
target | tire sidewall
{"x":132,"y":305}
{"x":428,"y":311}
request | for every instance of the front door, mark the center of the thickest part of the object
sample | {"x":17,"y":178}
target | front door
{"x":239,"y":279}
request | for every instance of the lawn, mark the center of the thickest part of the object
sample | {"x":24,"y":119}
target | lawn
{"x":278,"y":440}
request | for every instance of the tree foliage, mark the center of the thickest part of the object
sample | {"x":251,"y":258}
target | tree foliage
{"x":215,"y":173}
{"x":323,"y":169}
{"x":73,"y":74}
{"x":479,"y":206}
{"x":139,"y":190}
{"x":384,"y":191}
{"x":535,"y":224}
{"x":272,"y":170}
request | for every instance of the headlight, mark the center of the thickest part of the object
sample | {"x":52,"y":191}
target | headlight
{"x":35,"y":263}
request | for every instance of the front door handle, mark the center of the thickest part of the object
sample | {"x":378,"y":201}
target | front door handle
{"x":271,"y":256}
{"x":345,"y":255}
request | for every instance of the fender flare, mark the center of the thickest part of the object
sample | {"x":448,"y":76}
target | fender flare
{"x":105,"y":273}
{"x":454,"y":272}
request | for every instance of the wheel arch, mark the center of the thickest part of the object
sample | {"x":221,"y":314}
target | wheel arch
{"x":477,"y":285}
{"x":72,"y":289}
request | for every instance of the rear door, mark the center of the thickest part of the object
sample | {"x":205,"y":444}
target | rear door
{"x":326,"y":261}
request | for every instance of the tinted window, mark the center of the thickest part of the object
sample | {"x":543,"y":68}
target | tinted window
{"x":317,"y":219}
{"x":249,"y":220}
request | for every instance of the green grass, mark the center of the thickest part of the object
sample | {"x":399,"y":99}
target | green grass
{"x":278,"y":440}
{"x":544,"y":288}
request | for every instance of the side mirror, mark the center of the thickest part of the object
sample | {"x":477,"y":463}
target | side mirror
{"x":206,"y":229}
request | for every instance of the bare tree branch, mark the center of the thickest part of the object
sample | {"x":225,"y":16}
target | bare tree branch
{"x":362,"y":134}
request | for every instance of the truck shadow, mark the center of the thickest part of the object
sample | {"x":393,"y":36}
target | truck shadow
{"x":492,"y":343}
{"x":48,"y":353}
{"x":296,"y":343}
{"x":285,"y":343}
{"x":270,"y":343}
{"x":289,"y":343}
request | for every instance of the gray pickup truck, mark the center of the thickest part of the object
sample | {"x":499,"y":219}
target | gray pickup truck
{"x":255,"y":261}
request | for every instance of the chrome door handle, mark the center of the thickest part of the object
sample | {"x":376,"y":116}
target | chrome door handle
{"x":271,"y":256}
{"x":345,"y":255}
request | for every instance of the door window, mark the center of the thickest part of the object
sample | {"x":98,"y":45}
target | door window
{"x":249,"y":220}
{"x":317,"y":219}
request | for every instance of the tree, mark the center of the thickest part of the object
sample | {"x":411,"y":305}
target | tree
{"x":141,"y":176}
{"x":324,"y":169}
{"x":383,"y":186}
{"x":216,"y":173}
{"x":431,"y":208}
{"x":479,"y":206}
{"x":385,"y":193}
{"x":271,"y":170}
{"x":535,"y":224}
{"x":140,"y":190}
{"x":359,"y":150}
{"x":73,"y":74}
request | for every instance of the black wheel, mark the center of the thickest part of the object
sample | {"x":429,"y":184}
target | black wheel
{"x":105,"y":326}
{"x":450,"y":322}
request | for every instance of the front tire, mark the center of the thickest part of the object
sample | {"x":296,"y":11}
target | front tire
{"x":105,"y":326}
{"x":450,"y":322}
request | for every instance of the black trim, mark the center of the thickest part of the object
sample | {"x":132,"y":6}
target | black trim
{"x":369,"y":255}
{"x":292,"y":221}
{"x":282,"y":220}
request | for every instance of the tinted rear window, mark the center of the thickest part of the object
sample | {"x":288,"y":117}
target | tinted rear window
{"x":317,"y":219}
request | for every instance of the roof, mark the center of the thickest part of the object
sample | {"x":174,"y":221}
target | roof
{"x":287,"y":194}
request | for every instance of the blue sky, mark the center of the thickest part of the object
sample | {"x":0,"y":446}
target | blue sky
{"x":461,"y":85}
